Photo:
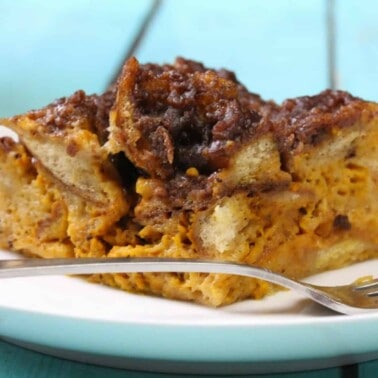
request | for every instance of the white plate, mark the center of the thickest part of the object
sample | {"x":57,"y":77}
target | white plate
{"x":72,"y":318}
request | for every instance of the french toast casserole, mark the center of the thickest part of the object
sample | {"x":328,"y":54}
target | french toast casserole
{"x":183,"y":161}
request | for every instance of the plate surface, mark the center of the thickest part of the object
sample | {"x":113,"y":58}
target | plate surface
{"x":72,"y":318}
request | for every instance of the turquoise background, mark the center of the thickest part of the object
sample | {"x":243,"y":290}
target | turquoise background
{"x":278,"y":48}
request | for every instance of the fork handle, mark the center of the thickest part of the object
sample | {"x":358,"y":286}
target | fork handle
{"x":326,"y":296}
{"x":43,"y":267}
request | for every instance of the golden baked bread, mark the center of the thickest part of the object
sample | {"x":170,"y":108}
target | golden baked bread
{"x":182,"y":161}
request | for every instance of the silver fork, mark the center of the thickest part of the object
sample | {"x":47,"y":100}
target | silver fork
{"x":347,"y":299}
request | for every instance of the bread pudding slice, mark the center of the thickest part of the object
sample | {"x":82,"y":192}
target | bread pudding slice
{"x":182,"y":161}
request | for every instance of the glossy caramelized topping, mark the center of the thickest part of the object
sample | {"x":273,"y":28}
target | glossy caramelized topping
{"x":69,"y":112}
{"x":174,"y":117}
{"x":309,"y":119}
